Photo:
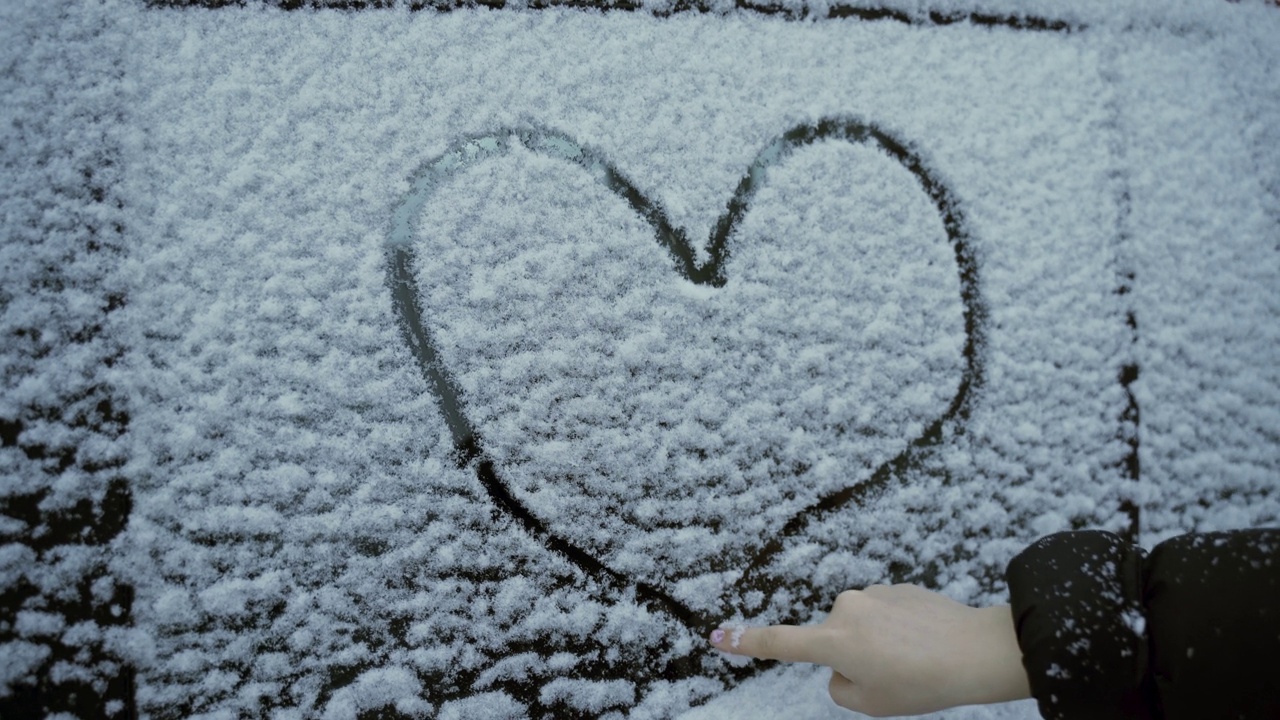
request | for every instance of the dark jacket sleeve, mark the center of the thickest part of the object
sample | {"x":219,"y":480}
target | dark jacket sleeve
{"x":1191,"y":631}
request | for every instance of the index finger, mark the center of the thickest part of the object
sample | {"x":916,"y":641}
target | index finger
{"x":791,"y":643}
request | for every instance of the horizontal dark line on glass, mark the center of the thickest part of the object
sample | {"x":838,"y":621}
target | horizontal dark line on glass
{"x":935,"y":17}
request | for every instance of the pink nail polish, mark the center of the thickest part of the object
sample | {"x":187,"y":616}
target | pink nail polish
{"x":717,"y":636}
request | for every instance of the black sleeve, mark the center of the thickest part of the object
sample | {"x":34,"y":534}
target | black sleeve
{"x":1193,"y":631}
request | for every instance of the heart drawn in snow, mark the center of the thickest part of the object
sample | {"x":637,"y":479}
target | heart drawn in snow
{"x":635,"y":452}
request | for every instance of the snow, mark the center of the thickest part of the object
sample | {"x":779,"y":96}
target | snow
{"x":373,"y":689}
{"x":800,"y":691}
{"x":302,"y":540}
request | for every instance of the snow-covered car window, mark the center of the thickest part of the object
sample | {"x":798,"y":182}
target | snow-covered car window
{"x":368,"y":360}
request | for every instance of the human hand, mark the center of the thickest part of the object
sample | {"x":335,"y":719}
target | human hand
{"x":899,"y":650}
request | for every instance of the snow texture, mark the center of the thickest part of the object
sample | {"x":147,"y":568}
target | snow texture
{"x":63,"y":495}
{"x":201,"y":336}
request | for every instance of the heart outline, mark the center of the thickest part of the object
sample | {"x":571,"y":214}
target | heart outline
{"x":467,"y":441}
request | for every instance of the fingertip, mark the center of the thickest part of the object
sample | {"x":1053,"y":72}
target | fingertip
{"x":726,"y":640}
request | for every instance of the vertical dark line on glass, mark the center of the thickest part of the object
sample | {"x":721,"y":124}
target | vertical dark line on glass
{"x":1130,"y":419}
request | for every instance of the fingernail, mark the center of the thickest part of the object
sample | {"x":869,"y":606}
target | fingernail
{"x":717,"y":636}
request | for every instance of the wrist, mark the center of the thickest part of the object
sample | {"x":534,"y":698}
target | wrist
{"x":993,"y":670}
